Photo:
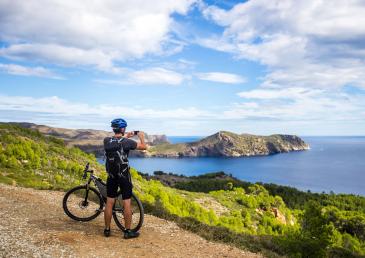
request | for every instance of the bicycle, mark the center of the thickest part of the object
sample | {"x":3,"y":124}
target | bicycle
{"x":89,"y":202}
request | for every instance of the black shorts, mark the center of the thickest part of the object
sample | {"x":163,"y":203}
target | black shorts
{"x":124,"y":182}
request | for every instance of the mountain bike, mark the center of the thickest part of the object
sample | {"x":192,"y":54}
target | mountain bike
{"x":85,"y":203}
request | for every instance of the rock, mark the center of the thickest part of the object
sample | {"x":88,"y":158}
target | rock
{"x":278,"y":215}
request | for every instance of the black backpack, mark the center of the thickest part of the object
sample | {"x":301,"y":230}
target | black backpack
{"x":116,"y":160}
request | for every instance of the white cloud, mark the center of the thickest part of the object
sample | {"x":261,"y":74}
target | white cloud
{"x":153,"y":75}
{"x":299,"y":104}
{"x":28,"y":71}
{"x":59,"y":107}
{"x":305,"y":43}
{"x":55,"y":111}
{"x":96,"y":33}
{"x":308,"y":111}
{"x":156,"y":75}
{"x":221,"y":77}
{"x":291,"y":93}
{"x":58,"y":54}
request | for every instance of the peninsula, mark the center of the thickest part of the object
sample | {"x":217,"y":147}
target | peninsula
{"x":228,"y":144}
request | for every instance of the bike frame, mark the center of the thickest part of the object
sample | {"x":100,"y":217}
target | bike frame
{"x":93,"y":179}
{"x":98,"y":182}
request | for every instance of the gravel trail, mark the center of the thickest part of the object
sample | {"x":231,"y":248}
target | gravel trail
{"x":33,"y":224}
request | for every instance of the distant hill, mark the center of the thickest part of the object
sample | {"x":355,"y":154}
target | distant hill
{"x":229,"y":144}
{"x":88,"y":140}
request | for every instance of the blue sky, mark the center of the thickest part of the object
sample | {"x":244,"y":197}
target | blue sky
{"x":185,"y":67}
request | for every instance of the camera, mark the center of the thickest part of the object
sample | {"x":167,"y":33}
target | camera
{"x":135,"y":132}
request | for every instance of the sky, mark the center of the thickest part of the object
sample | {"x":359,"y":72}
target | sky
{"x":185,"y":67}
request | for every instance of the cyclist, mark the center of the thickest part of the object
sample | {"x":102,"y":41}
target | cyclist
{"x":123,"y":178}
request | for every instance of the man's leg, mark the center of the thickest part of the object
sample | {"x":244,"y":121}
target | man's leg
{"x":127,"y":213}
{"x":128,"y":219}
{"x":126,"y":186}
{"x":108,"y":211}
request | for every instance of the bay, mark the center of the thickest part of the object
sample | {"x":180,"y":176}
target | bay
{"x":332,"y":164}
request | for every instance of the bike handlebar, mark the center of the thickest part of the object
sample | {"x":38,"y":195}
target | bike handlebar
{"x":86,"y":170}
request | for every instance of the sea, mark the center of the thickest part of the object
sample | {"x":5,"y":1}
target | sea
{"x":332,"y":164}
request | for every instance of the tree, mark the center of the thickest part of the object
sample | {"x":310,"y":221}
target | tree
{"x":229,"y":186}
{"x":317,"y":232}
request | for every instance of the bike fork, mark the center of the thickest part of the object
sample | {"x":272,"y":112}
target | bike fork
{"x":87,"y":192}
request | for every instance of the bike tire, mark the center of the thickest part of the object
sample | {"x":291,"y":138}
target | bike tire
{"x":94,"y":212}
{"x":118,"y":215}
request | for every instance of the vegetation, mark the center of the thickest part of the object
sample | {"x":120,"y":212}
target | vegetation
{"x":341,"y":217}
{"x":261,"y":218}
{"x":293,"y":198}
{"x":28,"y":158}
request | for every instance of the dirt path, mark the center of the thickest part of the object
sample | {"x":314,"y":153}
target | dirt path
{"x":33,"y":224}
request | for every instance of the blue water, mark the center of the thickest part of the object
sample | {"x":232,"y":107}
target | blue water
{"x":332,"y":163}
{"x":182,"y":139}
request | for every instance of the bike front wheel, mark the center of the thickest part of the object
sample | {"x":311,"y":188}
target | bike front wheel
{"x":137,"y":213}
{"x":82,"y":203}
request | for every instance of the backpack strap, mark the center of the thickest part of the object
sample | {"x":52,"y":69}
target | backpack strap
{"x":122,"y":154}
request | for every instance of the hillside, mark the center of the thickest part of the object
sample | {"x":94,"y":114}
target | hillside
{"x":28,"y":158}
{"x":88,"y":140}
{"x":249,"y":218}
{"x":229,"y":144}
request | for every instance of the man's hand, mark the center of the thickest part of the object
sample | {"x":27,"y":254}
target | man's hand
{"x":141,"y":145}
{"x":140,"y":134}
{"x":129,"y":134}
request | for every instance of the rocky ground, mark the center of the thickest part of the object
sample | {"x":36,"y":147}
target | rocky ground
{"x":33,"y":224}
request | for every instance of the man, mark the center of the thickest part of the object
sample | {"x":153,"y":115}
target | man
{"x":118,"y":172}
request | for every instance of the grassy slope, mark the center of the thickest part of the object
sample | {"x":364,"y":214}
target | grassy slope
{"x":28,"y":158}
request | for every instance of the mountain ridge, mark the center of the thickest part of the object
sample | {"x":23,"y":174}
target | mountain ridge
{"x":220,"y":144}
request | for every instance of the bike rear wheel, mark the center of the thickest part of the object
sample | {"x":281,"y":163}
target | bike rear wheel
{"x":83,"y":203}
{"x":137,"y":213}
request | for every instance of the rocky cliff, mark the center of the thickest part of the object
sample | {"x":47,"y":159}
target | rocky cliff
{"x":229,"y":144}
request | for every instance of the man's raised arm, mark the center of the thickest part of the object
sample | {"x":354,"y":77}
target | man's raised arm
{"x":141,"y":145}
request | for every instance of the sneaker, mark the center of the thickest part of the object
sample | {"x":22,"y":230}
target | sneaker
{"x":130,"y":234}
{"x":107,"y":232}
